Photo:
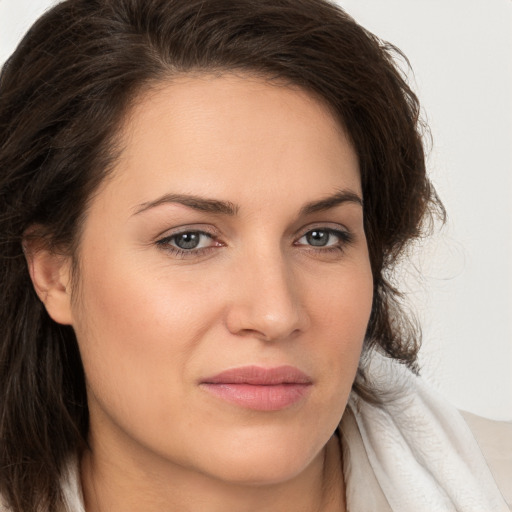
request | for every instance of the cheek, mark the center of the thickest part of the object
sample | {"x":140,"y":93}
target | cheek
{"x":123,"y":300}
{"x":137,"y":330}
{"x":341,"y":301}
{"x":341,"y":310}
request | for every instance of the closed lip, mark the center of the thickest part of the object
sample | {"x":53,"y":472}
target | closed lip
{"x":260,"y":376}
{"x":259,"y":388}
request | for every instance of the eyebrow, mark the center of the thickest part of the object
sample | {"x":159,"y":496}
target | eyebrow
{"x":228,"y":208}
{"x":343,"y":196}
{"x":195,"y":202}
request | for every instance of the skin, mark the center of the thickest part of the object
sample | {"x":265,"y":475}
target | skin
{"x":152,"y":323}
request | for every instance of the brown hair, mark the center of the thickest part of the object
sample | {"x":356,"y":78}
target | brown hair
{"x":63,"y":94}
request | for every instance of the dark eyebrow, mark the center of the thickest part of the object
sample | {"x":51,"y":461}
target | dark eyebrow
{"x":228,"y":208}
{"x":195,"y":202}
{"x":340,"y":197}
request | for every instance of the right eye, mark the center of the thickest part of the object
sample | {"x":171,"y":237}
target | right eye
{"x":188,"y":242}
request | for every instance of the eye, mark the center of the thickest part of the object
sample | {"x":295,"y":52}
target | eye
{"x":325,"y":237}
{"x":188,"y":241}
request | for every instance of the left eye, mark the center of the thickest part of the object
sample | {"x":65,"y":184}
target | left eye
{"x":188,"y":240}
{"x":323,"y":238}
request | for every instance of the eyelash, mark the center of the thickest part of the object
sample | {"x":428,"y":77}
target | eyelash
{"x":345,"y":238}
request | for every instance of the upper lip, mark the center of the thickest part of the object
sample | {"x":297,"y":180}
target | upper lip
{"x":260,"y":376}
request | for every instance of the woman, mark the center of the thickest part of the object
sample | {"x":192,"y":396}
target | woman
{"x":202,"y":202}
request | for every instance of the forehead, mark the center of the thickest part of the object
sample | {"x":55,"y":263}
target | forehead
{"x":232,"y":136}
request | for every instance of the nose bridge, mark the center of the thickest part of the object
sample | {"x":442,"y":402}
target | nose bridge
{"x":267,"y":301}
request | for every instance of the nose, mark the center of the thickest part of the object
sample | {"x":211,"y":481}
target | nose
{"x":266,"y":301}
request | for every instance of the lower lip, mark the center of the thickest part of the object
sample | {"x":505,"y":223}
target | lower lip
{"x":260,"y":397}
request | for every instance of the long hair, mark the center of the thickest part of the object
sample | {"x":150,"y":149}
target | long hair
{"x":63,"y":95}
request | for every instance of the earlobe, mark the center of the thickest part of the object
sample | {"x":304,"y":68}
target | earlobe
{"x":51,"y":276}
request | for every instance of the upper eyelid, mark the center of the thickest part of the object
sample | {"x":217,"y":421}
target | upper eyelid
{"x":199,"y":228}
{"x":324,"y":228}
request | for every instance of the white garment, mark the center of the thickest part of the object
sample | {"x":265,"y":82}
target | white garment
{"x":415,"y":453}
{"x":418,"y":448}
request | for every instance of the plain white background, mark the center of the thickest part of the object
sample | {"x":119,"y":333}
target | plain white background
{"x":461,"y":54}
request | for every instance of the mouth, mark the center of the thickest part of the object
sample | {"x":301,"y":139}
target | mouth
{"x":258,"y":388}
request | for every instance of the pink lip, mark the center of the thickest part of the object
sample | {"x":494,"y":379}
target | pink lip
{"x":258,"y":388}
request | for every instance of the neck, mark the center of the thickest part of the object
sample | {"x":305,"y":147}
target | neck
{"x":125,"y":486}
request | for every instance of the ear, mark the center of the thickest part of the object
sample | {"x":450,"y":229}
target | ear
{"x":51,"y":276}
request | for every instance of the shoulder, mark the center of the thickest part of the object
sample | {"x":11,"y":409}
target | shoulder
{"x":495,"y":441}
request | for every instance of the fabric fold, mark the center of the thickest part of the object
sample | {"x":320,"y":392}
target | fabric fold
{"x":421,"y":450}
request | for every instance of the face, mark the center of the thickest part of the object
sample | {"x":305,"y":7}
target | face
{"x":225,"y":286}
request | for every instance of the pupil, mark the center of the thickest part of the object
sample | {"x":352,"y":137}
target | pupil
{"x":187,"y":240}
{"x":317,"y":238}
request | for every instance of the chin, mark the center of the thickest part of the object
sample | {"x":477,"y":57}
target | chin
{"x":264,"y":459}
{"x":262,"y":471}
